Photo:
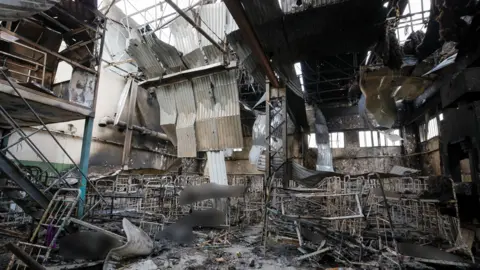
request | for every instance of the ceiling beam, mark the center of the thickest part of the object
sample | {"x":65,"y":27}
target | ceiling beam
{"x":240,"y":17}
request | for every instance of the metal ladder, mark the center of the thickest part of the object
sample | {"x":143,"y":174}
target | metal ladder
{"x":11,"y":166}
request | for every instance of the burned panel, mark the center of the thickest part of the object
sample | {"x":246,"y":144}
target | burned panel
{"x":464,"y":86}
{"x":168,"y":110}
{"x":82,"y":88}
{"x":186,"y":120}
{"x":218,"y":112}
{"x":145,"y":58}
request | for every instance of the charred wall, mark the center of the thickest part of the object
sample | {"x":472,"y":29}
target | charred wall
{"x":239,"y":164}
{"x":353,"y":159}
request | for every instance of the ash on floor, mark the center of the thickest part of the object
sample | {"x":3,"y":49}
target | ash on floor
{"x":244,"y":252}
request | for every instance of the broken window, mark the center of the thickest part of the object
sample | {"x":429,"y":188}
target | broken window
{"x":376,"y":138}
{"x":430,"y":130}
{"x":312,"y":142}
{"x":337,"y":140}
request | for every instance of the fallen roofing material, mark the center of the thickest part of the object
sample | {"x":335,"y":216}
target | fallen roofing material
{"x":145,"y":58}
{"x":138,"y":244}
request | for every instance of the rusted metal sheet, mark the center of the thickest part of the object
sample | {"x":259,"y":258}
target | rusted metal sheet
{"x":218,"y":112}
{"x":13,"y":10}
{"x":145,"y":58}
{"x":82,"y":88}
{"x":168,"y":110}
{"x":186,"y":120}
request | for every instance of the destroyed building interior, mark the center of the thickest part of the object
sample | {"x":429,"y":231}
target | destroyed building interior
{"x":239,"y":134}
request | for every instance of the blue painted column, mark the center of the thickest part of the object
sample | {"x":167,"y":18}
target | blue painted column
{"x":84,"y":158}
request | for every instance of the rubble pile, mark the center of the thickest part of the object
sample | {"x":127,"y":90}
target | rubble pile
{"x":372,"y":221}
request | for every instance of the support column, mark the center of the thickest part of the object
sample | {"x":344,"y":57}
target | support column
{"x":84,"y":159}
{"x":276,"y":151}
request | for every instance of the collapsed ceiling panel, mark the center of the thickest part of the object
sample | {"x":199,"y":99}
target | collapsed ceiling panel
{"x":145,"y":58}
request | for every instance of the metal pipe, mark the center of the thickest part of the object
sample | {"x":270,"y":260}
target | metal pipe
{"x":107,"y":121}
{"x":238,"y":13}
{"x":190,"y":21}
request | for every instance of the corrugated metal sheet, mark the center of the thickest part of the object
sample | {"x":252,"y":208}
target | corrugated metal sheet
{"x":194,"y":59}
{"x":166,"y":53}
{"x":186,"y":120}
{"x":214,"y":19}
{"x":218,"y":112}
{"x":185,"y":36}
{"x":168,"y":110}
{"x":213,"y":54}
{"x":246,"y":58}
{"x":216,"y":167}
{"x":145,"y":58}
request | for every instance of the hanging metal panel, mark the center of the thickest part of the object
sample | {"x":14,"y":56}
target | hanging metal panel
{"x":218,"y":112}
{"x":145,"y":59}
{"x":168,"y":110}
{"x":213,"y":21}
{"x":186,"y":119}
{"x":216,"y":167}
{"x":227,"y":110}
{"x":166,"y":53}
{"x":185,"y":36}
{"x":205,"y":115}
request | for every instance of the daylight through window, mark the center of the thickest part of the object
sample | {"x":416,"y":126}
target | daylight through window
{"x":376,"y":138}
